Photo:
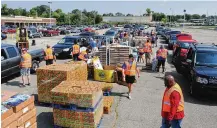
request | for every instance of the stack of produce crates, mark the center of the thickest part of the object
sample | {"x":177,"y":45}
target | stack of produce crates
{"x":118,"y":54}
{"x":77,"y":104}
{"x":17,"y":110}
{"x":50,"y":76}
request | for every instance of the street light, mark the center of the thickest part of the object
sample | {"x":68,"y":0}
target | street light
{"x":50,"y":11}
{"x":184,"y":18}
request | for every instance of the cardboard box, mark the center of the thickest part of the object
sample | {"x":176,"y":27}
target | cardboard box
{"x":28,"y":123}
{"x":23,"y":104}
{"x":25,"y":110}
{"x":26,"y":117}
{"x":7,"y":114}
{"x":12,"y":125}
{"x":5,"y":95}
{"x":34,"y":125}
{"x":8,"y":120}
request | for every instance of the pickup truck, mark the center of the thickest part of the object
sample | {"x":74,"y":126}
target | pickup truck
{"x":50,"y":32}
{"x":11,"y":57}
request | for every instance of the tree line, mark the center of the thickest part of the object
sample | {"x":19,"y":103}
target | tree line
{"x":78,"y":17}
{"x":75,"y":17}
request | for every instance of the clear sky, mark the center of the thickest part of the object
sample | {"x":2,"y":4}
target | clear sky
{"x":136,"y":7}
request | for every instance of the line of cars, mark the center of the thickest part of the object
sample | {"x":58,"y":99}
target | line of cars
{"x":195,"y":61}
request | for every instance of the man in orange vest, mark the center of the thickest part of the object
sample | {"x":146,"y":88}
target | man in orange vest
{"x":172,"y":104}
{"x":147,"y":50}
{"x":25,"y":65}
{"x":129,"y":70}
{"x":49,"y":55}
{"x":161,"y":57}
{"x":75,"y":51}
{"x":83,"y":56}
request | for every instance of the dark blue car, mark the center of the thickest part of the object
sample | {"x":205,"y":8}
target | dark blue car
{"x":64,"y":47}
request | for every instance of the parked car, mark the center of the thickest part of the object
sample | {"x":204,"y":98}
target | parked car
{"x":11,"y":57}
{"x":34,"y":34}
{"x":180,"y":53}
{"x":169,"y":33}
{"x":200,"y":68}
{"x":75,"y":30}
{"x":4,"y":36}
{"x":172,"y":41}
{"x":180,"y":37}
{"x":64,"y":47}
{"x":50,"y":32}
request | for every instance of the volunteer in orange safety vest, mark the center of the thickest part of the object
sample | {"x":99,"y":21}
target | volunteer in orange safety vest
{"x":141,"y":53}
{"x":147,"y":50}
{"x":25,"y":65}
{"x":49,"y":55}
{"x":75,"y":51}
{"x":161,"y":57}
{"x":129,"y":70}
{"x":172,"y":104}
{"x":83,"y":56}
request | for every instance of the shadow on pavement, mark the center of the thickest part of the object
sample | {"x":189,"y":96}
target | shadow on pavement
{"x":45,"y":120}
{"x":13,"y":83}
{"x":183,"y":82}
{"x":120,"y":94}
{"x":9,"y":78}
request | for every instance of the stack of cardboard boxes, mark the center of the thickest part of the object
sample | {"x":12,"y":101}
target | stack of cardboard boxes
{"x":16,"y":112}
{"x":77,"y":104}
{"x":50,"y":76}
{"x":107,"y":104}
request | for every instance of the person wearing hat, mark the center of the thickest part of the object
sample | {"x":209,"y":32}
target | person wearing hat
{"x":129,"y":70}
{"x":25,"y":65}
{"x":49,"y":55}
{"x":161,"y":57}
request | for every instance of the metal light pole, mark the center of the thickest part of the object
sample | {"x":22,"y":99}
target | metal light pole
{"x":184,"y":18}
{"x":50,"y":11}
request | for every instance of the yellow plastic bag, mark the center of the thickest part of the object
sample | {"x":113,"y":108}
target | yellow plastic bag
{"x":104,"y":75}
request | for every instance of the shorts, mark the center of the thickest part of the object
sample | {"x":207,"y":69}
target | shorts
{"x":148,"y":55}
{"x":25,"y":71}
{"x":130,"y":79}
{"x":49,"y":62}
{"x":153,"y":42}
{"x":141,"y":53}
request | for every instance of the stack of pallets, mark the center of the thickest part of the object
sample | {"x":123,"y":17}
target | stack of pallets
{"x":103,"y":55}
{"x":118,"y":54}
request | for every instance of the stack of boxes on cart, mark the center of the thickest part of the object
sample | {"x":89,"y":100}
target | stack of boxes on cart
{"x":76,"y":102}
{"x":17,"y":110}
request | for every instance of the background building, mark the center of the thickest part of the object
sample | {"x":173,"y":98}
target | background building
{"x":129,"y":19}
{"x":27,"y":21}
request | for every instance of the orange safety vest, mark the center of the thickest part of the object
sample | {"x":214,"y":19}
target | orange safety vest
{"x":162,"y":53}
{"x":49,"y":54}
{"x":166,"y":105}
{"x":147,"y":48}
{"x":81,"y":56}
{"x":76,"y":49}
{"x":26,"y":61}
{"x":130,"y":70}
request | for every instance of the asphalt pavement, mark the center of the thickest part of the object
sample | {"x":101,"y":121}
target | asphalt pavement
{"x":144,"y":110}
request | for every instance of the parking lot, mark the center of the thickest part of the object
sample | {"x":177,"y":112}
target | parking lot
{"x":144,"y":110}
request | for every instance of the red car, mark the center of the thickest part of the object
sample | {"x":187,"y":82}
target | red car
{"x":181,"y":50}
{"x":50,"y":32}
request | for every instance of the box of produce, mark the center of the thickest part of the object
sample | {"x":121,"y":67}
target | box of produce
{"x":79,"y":93}
{"x":107,"y":104}
{"x":78,"y":119}
{"x":50,"y":76}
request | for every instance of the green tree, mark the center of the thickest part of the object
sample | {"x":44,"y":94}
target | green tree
{"x":148,"y":10}
{"x":119,"y":14}
{"x":203,"y":16}
{"x":98,"y":19}
{"x":187,"y":17}
{"x":164,"y":20}
{"x":129,"y":14}
{"x":4,"y":9}
{"x":195,"y":16}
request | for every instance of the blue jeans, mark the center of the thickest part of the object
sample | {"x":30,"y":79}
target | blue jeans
{"x":174,"y":123}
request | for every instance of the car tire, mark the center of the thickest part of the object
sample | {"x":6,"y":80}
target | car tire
{"x":35,"y":66}
{"x":193,"y":89}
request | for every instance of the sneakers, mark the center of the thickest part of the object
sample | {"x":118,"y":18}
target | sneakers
{"x":129,"y":96}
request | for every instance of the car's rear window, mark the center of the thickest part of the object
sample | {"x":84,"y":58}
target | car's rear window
{"x":67,"y":41}
{"x":173,"y":38}
{"x":184,"y":45}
